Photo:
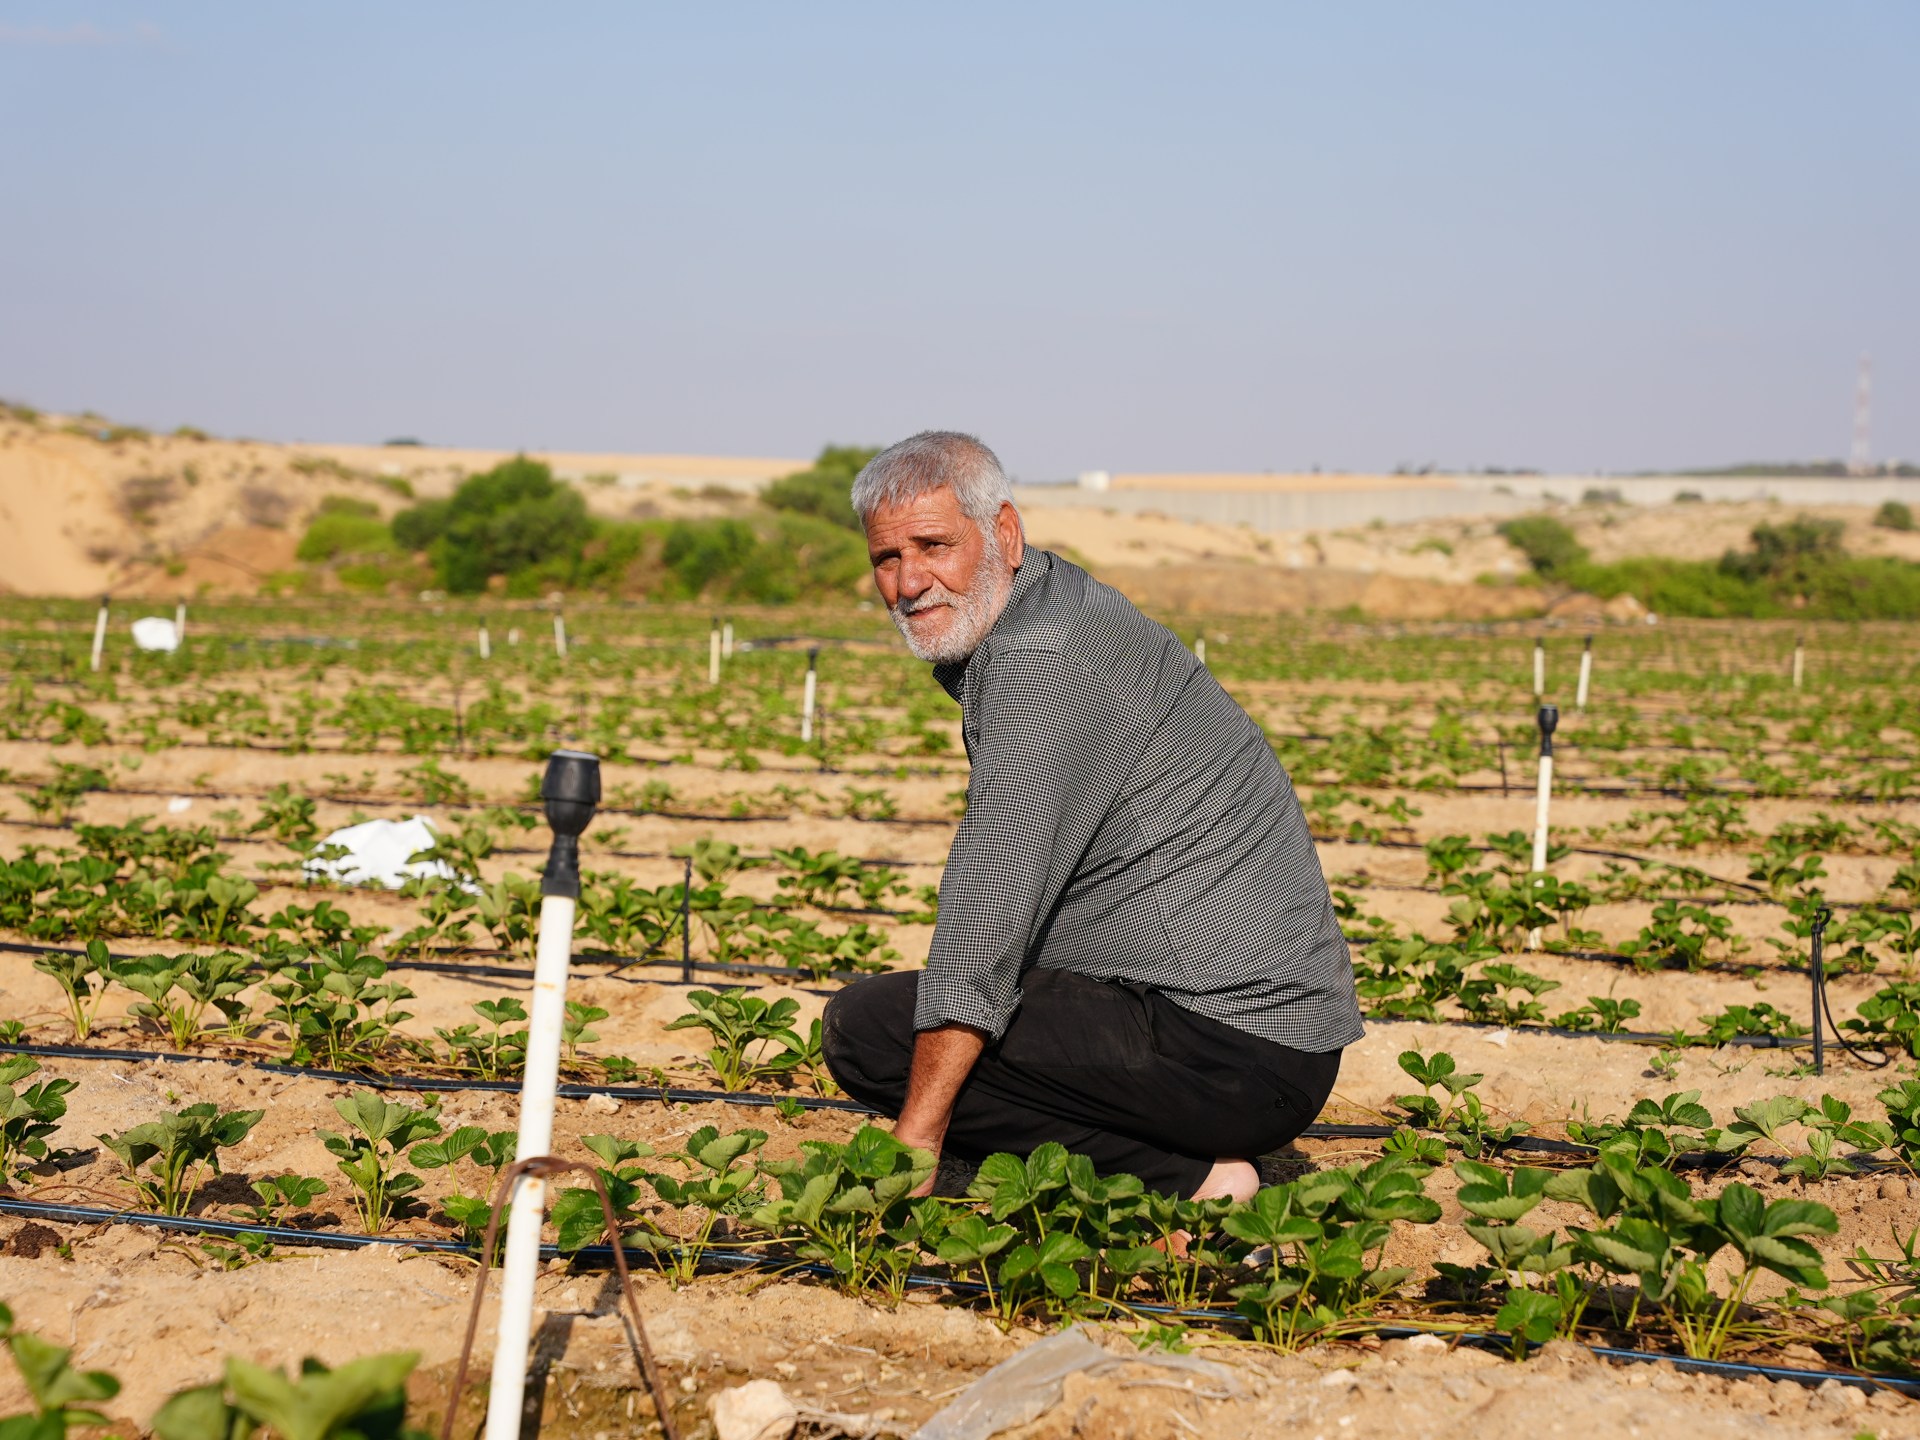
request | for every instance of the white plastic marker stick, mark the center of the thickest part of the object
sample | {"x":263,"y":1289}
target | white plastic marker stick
{"x":486,"y":642}
{"x":559,"y":634}
{"x":726,"y":641}
{"x":1549,"y":718}
{"x":713,"y":653}
{"x":1799,"y":660}
{"x":99,"y":634}
{"x":1539,"y":668}
{"x":180,"y":624}
{"x":1586,"y":675}
{"x":571,"y":790}
{"x":807,"y":697}
{"x":1200,"y":649}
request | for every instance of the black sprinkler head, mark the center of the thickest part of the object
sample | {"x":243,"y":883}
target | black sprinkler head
{"x":1549,"y":720}
{"x":570,"y":790}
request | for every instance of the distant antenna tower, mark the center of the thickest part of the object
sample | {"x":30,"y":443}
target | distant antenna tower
{"x":1860,"y":462}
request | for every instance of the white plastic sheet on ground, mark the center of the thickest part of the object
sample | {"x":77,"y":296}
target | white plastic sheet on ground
{"x":155,"y":632}
{"x":377,"y":854}
{"x":1020,"y":1390}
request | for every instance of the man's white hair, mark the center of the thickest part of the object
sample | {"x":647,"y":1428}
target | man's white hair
{"x":928,"y":461}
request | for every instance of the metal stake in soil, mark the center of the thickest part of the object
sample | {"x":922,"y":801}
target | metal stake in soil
{"x":1586,"y":675}
{"x":571,"y":790}
{"x":808,"y":695}
{"x":99,"y":634}
{"x":1548,"y":719}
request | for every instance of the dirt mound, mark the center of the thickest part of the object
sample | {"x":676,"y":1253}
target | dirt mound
{"x":92,"y":506}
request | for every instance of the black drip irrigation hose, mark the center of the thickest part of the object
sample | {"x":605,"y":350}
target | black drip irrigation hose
{"x":734,"y":1261}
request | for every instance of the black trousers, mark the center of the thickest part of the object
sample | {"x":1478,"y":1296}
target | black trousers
{"x":1113,"y":1071}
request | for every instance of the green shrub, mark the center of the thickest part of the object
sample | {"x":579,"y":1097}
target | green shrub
{"x":512,"y":520}
{"x":417,"y":527}
{"x":1893,"y":515}
{"x":1786,"y":552}
{"x":1548,"y":545}
{"x":825,"y":490}
{"x":770,"y":559}
{"x":341,"y":530}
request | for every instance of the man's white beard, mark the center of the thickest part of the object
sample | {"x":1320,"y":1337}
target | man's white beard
{"x":974,"y":611}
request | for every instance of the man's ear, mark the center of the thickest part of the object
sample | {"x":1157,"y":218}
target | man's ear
{"x":1007,"y":531}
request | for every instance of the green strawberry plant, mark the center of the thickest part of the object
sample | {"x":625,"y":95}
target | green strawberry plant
{"x":370,"y":1157}
{"x":165,"y":1160}
{"x":851,"y":1205}
{"x":364,"y":1399}
{"x":499,"y":1052}
{"x":338,"y":1009}
{"x":62,"y":1396}
{"x":177,"y":991}
{"x":1322,"y":1237}
{"x":1601,"y":1013}
{"x":82,"y":980}
{"x":740,"y":1023}
{"x":29,"y":1115}
{"x":576,"y":1212}
{"x":282,"y":1196}
{"x":488,"y":1152}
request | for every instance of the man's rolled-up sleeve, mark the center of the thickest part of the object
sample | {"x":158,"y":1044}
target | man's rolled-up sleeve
{"x":1048,"y":760}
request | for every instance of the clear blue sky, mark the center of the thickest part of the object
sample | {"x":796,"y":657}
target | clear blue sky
{"x":1611,"y":235}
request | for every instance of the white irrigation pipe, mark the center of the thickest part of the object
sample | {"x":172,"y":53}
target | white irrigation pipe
{"x":1586,"y":675}
{"x":808,"y":696}
{"x":486,"y":642}
{"x":713,"y":653}
{"x":560,"y":634}
{"x":180,"y":624}
{"x":1200,"y":649}
{"x":1539,"y":668}
{"x":571,"y":790}
{"x":99,"y":634}
{"x":1799,"y":660}
{"x":726,"y":641}
{"x":1548,"y":718}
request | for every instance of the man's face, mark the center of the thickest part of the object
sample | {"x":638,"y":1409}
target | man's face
{"x":943,"y":581}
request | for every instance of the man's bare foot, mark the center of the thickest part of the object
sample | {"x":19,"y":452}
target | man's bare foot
{"x":1229,"y":1179}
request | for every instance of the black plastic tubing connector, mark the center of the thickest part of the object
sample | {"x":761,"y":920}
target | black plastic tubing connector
{"x":570,"y":791}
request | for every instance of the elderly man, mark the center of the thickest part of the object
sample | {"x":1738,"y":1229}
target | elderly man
{"x":1136,"y":954}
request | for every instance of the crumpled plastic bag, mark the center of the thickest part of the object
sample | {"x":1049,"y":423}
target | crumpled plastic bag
{"x":1023,"y":1388}
{"x":377,"y":854}
{"x":155,"y":632}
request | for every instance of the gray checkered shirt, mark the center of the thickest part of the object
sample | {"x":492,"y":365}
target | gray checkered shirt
{"x":1128,"y":820}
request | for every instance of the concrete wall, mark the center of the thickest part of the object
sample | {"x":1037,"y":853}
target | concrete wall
{"x":1272,"y":511}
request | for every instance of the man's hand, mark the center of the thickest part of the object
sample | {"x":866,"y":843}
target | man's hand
{"x":942,"y":1059}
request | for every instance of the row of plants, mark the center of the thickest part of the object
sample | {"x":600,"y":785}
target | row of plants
{"x":167,"y":882}
{"x":1045,"y":1237}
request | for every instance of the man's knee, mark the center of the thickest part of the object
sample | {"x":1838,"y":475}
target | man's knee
{"x":866,"y":1034}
